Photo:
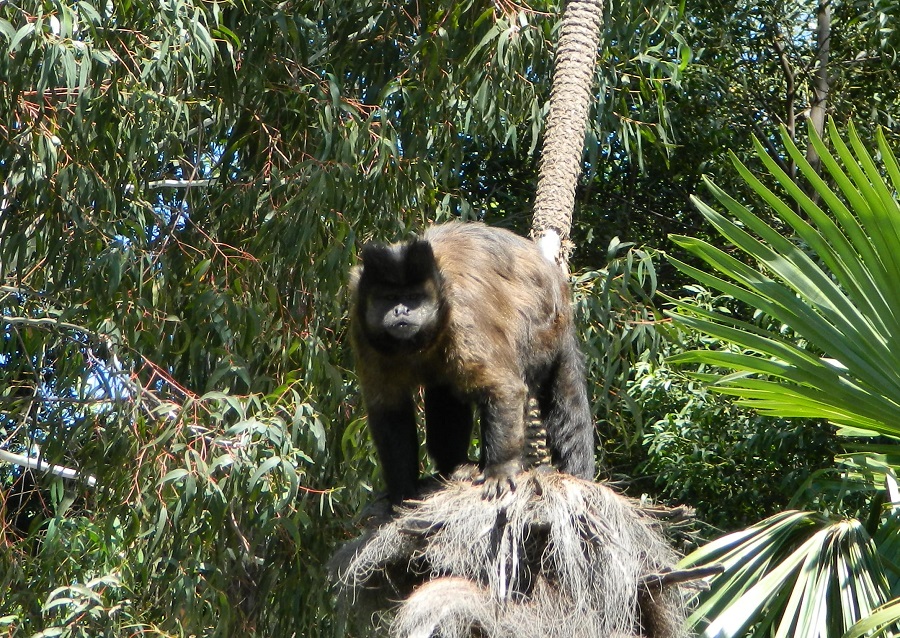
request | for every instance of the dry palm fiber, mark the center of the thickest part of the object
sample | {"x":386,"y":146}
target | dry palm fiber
{"x":558,"y":557}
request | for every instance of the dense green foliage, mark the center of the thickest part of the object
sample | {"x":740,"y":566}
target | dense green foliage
{"x":184,"y":187}
{"x":751,"y":71}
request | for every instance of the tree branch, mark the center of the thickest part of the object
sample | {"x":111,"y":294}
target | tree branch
{"x":38,"y":464}
{"x":180,"y":183}
{"x":45,"y":322}
{"x":657,"y":582}
{"x":822,"y":81}
{"x":790,"y":92}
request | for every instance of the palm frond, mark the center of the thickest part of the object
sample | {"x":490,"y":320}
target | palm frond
{"x":831,"y":275}
{"x":833,"y":280}
{"x":794,"y":574}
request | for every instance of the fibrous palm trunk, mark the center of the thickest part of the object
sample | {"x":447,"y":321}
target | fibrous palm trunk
{"x":570,"y":100}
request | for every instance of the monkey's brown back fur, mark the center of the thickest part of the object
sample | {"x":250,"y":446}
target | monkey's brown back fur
{"x":487,"y":280}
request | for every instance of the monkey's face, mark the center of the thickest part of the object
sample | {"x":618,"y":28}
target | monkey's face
{"x":406,"y":314}
{"x":399,"y":296}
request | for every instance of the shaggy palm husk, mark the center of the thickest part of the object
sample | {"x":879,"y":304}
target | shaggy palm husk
{"x":559,"y":556}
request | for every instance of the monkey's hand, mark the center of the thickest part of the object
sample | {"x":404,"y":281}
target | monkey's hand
{"x":498,"y":479}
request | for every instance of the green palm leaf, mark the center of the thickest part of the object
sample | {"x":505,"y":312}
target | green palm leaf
{"x":833,"y":276}
{"x":834,"y":282}
{"x":794,"y":574}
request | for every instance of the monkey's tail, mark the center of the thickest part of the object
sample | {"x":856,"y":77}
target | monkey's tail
{"x":536,"y":451}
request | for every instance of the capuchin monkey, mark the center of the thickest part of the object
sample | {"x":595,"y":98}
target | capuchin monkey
{"x":476,"y":316}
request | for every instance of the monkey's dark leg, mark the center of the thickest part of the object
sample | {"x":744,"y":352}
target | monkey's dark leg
{"x":448,"y":428}
{"x":567,"y":414}
{"x":503,"y":438}
{"x":393,"y":429}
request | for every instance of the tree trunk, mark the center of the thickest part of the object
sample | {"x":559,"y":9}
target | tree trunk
{"x":570,"y":100}
{"x":821,"y":80}
{"x":790,"y":92}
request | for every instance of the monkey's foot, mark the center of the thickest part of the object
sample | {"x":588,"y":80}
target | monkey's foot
{"x":499,"y":479}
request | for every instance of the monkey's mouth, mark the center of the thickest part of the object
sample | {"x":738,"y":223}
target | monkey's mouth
{"x":402,"y":329}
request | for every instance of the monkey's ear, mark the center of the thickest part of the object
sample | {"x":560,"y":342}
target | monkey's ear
{"x":420,"y":264}
{"x":378,"y":262}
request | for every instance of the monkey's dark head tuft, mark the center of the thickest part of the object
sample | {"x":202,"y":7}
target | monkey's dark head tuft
{"x":406,"y":264}
{"x":399,"y":296}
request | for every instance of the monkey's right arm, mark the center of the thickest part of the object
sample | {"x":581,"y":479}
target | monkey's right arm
{"x":393,"y":427}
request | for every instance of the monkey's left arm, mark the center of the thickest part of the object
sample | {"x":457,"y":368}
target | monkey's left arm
{"x":503,"y":438}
